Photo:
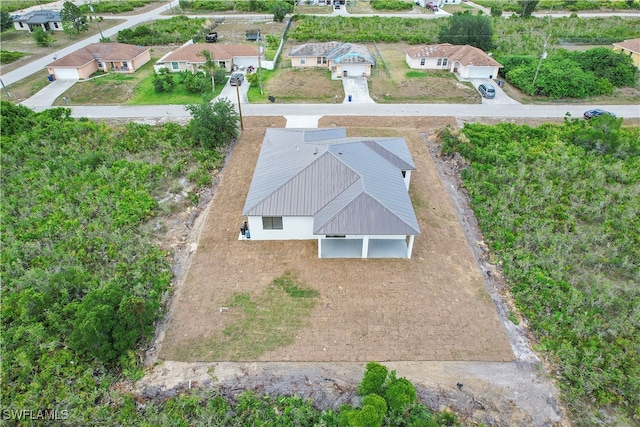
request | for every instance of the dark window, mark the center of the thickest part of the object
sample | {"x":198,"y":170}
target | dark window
{"x":422,"y":61}
{"x":444,"y":61}
{"x":404,"y":174}
{"x":439,"y":62}
{"x":272,"y":223}
{"x":335,"y":236}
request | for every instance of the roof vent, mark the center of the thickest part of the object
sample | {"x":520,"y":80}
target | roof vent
{"x":315,"y":150}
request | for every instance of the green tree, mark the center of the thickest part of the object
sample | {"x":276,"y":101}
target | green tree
{"x":42,"y":38}
{"x":213,"y":125}
{"x":375,"y":375}
{"x":527,"y":7}
{"x":496,"y":10}
{"x":280,"y":10}
{"x":465,"y":28}
{"x":6,"y":21}
{"x":73,"y":19}
{"x":616,"y":67}
{"x":209,"y":66}
{"x":399,"y":393}
{"x":163,"y":81}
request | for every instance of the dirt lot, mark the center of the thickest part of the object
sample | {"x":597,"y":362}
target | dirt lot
{"x":439,"y":319}
{"x":432,"y":307}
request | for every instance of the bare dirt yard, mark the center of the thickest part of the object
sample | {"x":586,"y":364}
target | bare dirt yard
{"x":432,"y":307}
{"x":439,"y":318}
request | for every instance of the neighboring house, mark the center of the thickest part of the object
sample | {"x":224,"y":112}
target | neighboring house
{"x":350,"y":194}
{"x":438,"y":3}
{"x":228,"y":56}
{"x":48,"y":20}
{"x":343,"y":59}
{"x":631,"y":48}
{"x":467,"y":61}
{"x":116,"y":57}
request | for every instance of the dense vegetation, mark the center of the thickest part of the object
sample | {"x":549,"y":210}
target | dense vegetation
{"x":9,"y":56}
{"x":14,"y":5}
{"x":391,"y":5}
{"x":570,"y":5}
{"x":177,"y":29}
{"x":570,"y":74}
{"x":559,"y":207}
{"x":465,"y":28}
{"x":512,"y":36}
{"x":237,"y":5}
{"x":82,"y":280}
{"x":114,"y":6}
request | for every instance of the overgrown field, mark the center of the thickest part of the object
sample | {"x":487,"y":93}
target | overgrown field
{"x":177,"y":29}
{"x":570,"y":5}
{"x":559,"y":206}
{"x":512,"y":36}
{"x":13,"y":5}
{"x":82,"y":280}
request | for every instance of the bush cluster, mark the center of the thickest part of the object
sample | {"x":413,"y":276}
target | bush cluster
{"x":112,"y":6}
{"x":177,"y":29}
{"x":391,"y":5}
{"x":570,"y":74}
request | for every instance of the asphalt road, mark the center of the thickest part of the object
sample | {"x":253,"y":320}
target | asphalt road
{"x":435,"y":110}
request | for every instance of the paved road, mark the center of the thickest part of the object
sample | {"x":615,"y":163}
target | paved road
{"x":435,"y":110}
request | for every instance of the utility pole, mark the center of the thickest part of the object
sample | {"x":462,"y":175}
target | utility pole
{"x":260,"y":50}
{"x":97,"y":20}
{"x":239,"y":108}
{"x":543,"y":56}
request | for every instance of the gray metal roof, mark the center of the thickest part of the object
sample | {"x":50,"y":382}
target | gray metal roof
{"x":349,"y":185}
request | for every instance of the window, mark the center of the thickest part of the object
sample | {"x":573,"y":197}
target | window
{"x":439,"y":62}
{"x":302,"y":61}
{"x":444,"y":61}
{"x":423,"y":61}
{"x":222,"y":64}
{"x":21,"y":24}
{"x":404,"y":174}
{"x":272,"y":222}
{"x":175,"y":66}
{"x":100,"y":64}
{"x":125,"y":64}
{"x":55,"y":24}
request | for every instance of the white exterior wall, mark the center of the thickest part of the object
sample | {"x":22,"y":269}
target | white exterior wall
{"x":293,"y":228}
{"x":429,"y":64}
{"x":407,"y":178}
{"x":471,"y":72}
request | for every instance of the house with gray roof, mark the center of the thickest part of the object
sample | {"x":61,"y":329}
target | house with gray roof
{"x":351,"y":194}
{"x":48,"y":20}
{"x":343,"y":59}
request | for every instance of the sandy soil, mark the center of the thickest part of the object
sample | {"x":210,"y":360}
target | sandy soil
{"x":439,"y":318}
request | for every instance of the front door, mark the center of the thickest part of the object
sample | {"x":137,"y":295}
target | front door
{"x":344,"y":73}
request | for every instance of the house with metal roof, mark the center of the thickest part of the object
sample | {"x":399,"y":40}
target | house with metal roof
{"x":48,"y":20}
{"x":343,"y":59}
{"x":468,"y":62}
{"x":351,"y":194}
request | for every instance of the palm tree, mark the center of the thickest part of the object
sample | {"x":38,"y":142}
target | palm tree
{"x":210,"y":66}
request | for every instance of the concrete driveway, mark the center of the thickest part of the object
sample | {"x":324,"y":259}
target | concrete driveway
{"x":358,"y":89}
{"x":232,"y":93}
{"x":501,"y":96}
{"x":47,"y":95}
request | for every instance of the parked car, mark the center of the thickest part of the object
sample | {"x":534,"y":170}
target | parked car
{"x":212,"y":37}
{"x":337,"y":5}
{"x":487,"y":90}
{"x":236,"y":79}
{"x":589,"y":114}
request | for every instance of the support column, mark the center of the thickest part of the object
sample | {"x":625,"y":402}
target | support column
{"x":319,"y":248}
{"x":410,"y":246}
{"x":365,"y":247}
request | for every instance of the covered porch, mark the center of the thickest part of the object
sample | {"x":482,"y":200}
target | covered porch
{"x":366,"y":247}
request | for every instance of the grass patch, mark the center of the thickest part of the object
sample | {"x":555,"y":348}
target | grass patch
{"x":26,"y":87}
{"x":9,"y":56}
{"x":145,"y":94}
{"x":416,"y":73}
{"x":262,"y":323}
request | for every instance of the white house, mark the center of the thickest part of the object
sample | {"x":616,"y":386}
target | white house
{"x":348,"y":193}
{"x":48,"y":20}
{"x":468,"y":62}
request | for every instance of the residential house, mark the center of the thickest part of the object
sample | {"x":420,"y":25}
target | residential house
{"x":228,"y":56}
{"x":116,"y":57}
{"x":48,"y":20}
{"x":343,"y":59}
{"x":468,"y":62}
{"x":631,"y":48}
{"x":348,"y":193}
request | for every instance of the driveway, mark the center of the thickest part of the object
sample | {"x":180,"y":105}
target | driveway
{"x":233,"y":93}
{"x":501,"y":96}
{"x":356,"y":90}
{"x":47,"y":95}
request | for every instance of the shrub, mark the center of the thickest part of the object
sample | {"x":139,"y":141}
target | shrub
{"x":163,"y":81}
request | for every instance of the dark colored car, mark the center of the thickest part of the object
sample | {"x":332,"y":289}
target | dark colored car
{"x":589,"y":114}
{"x":487,"y":90}
{"x":236,"y":79}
